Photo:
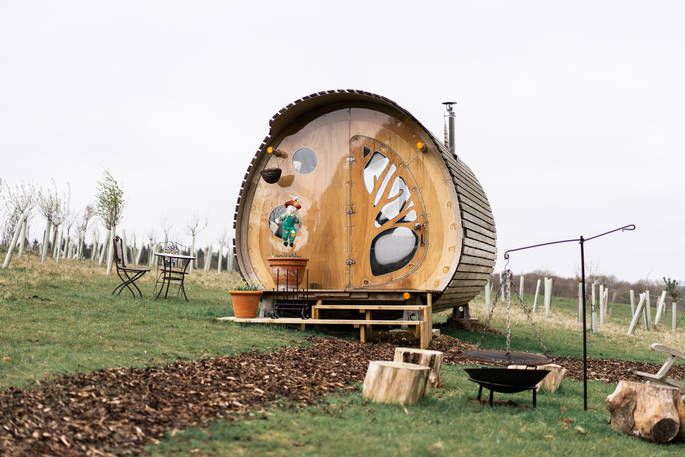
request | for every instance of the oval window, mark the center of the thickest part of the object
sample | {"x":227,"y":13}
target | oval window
{"x":304,"y":161}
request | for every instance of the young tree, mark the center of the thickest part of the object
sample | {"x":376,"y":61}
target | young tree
{"x":194,"y":228}
{"x":50,"y":207}
{"x":82,"y":227}
{"x":20,"y":201}
{"x":109,"y":205}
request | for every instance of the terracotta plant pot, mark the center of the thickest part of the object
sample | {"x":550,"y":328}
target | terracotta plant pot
{"x":288,"y":272}
{"x":271,"y":175}
{"x":245,"y":302}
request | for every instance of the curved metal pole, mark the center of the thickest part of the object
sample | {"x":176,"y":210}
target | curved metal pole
{"x":582,"y":241}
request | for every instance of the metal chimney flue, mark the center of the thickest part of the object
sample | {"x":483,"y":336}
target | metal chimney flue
{"x":449,"y":126}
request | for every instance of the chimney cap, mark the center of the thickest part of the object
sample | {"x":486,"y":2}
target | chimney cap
{"x":449,"y":103}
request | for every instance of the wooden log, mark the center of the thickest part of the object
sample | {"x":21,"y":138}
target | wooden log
{"x":552,"y":381}
{"x":395,"y":382}
{"x":425,"y":358}
{"x":650,"y":411}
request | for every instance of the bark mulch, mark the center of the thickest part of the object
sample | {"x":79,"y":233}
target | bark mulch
{"x":118,"y":411}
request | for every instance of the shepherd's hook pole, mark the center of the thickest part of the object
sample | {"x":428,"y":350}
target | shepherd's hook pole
{"x":582,"y":241}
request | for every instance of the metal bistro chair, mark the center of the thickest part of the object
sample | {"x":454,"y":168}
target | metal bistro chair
{"x":171,"y":270}
{"x":128,"y":275}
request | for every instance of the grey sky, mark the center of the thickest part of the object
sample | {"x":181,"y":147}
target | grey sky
{"x":570,"y":113}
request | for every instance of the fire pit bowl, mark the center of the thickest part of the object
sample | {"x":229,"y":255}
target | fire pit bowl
{"x":506,"y":380}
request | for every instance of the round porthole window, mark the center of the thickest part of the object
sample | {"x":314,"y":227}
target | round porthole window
{"x":304,"y":161}
{"x":275,"y":225}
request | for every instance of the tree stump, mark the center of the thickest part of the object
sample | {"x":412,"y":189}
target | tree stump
{"x":395,"y":382}
{"x":651,"y":411}
{"x":425,"y":358}
{"x":552,"y":381}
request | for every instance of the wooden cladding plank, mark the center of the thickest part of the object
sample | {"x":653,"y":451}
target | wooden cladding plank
{"x":478,"y":229}
{"x":477,"y":236}
{"x":478,"y":253}
{"x":471,"y":218}
{"x":467,"y":297}
{"x":468,"y":282}
{"x":467,"y":268}
{"x":472,"y":206}
{"x":476,"y":261}
{"x":469,"y":276}
{"x":476,"y":196}
{"x":479,"y":245}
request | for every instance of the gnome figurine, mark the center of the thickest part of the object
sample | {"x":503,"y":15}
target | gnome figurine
{"x":290,"y":222}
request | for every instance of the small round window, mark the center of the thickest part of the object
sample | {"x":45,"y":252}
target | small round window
{"x":304,"y":161}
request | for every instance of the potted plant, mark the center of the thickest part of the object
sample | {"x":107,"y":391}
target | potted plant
{"x":245,"y":299}
{"x":273,"y":174}
{"x":287,"y":270}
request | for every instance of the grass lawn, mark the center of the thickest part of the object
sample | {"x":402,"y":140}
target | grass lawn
{"x":448,"y":422}
{"x":62,"y":319}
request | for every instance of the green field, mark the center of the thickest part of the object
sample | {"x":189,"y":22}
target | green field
{"x":61,"y":319}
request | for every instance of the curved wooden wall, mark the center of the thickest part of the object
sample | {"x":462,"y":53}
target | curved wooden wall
{"x":477,"y":240}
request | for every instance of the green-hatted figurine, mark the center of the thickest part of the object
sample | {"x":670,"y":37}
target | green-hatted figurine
{"x":290,"y":222}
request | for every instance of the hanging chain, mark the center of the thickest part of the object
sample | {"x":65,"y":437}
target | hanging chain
{"x":536,"y":330}
{"x":504,"y":291}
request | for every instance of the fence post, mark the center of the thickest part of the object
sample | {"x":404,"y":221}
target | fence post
{"x":674,"y":311}
{"x":632,"y":302}
{"x":521,"y":284}
{"x":593,"y":304}
{"x":580,"y":302}
{"x":537,"y":292}
{"x":487,"y":297}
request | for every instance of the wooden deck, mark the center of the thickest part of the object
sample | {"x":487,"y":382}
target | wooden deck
{"x":423,"y":325}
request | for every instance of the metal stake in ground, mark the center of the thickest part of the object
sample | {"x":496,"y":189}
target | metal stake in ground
{"x":582,"y":241}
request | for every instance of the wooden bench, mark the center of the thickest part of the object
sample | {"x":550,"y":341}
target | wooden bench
{"x":661,"y":376}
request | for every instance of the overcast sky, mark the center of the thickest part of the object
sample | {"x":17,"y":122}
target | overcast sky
{"x":571,"y":114}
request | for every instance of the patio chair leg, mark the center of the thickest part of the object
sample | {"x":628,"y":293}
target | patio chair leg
{"x":480,"y":392}
{"x":161,"y":288}
{"x":491,"y":398}
{"x":183,"y":289}
{"x":534,"y":397}
{"x":129,"y":282}
{"x":133,"y":282}
{"x":166,"y":293}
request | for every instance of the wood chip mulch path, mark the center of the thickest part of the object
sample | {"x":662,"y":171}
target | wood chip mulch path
{"x":119,"y":411}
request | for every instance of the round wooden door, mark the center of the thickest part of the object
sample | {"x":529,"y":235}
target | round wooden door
{"x":387,"y":230}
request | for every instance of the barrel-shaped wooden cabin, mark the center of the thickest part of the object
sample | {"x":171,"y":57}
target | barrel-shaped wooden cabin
{"x":385,"y":207}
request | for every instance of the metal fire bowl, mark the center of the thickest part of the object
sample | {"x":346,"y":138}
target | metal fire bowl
{"x":506,"y":380}
{"x":511,"y":357}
